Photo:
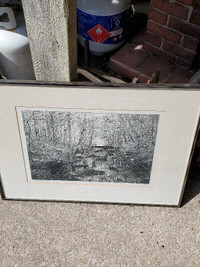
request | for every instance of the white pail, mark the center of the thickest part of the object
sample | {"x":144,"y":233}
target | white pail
{"x":15,"y":56}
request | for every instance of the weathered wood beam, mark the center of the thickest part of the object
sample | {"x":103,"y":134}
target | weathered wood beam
{"x":51,"y":28}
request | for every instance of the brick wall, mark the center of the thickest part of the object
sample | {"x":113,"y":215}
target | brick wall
{"x":173,"y":30}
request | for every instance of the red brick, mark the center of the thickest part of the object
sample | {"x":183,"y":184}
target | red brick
{"x":186,"y":2}
{"x":153,"y":39}
{"x":157,"y":51}
{"x":183,"y":63}
{"x":162,"y":32}
{"x":130,"y":56}
{"x":178,"y":51}
{"x":184,"y":27}
{"x":138,"y":38}
{"x":196,"y":4}
{"x":126,"y":60}
{"x":153,"y":63}
{"x":179,"y":75}
{"x":171,"y":8}
{"x":190,"y":43}
{"x":126,"y":71}
{"x":157,"y":16}
{"x":195,"y":17}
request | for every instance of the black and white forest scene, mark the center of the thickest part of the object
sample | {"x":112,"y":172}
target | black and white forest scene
{"x":89,"y":146}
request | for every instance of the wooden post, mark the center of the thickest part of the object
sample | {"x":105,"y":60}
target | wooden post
{"x":51,"y":28}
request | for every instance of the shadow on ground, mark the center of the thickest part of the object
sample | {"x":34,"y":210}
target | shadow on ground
{"x":192,"y":186}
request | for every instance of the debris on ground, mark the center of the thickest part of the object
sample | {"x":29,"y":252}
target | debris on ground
{"x":96,"y":75}
{"x":135,"y":79}
{"x":155,"y":77}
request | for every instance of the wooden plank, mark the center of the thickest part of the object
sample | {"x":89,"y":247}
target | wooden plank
{"x":51,"y":27}
{"x":106,"y":76}
{"x":89,"y":75}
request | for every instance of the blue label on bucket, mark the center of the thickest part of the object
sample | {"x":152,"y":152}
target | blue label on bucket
{"x":103,"y":29}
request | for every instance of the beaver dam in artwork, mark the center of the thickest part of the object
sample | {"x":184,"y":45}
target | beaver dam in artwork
{"x":95,"y":146}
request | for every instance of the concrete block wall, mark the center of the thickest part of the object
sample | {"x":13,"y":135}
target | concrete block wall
{"x":173,"y":30}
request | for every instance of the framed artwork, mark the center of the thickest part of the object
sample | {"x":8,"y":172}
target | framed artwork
{"x":110,"y":144}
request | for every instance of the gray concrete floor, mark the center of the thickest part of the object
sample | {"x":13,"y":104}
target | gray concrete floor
{"x":73,"y":234}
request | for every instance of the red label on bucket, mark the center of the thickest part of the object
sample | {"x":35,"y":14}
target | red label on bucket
{"x":111,"y":29}
{"x":98,"y":34}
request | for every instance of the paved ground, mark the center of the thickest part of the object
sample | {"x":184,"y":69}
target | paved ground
{"x":69,"y":234}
